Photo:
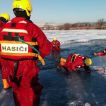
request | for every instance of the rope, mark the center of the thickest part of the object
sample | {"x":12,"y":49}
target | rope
{"x":28,"y":45}
{"x":38,"y":54}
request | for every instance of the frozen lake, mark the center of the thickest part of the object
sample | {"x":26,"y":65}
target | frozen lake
{"x":73,"y":89}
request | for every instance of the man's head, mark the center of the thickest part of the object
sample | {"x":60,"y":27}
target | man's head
{"x":88,"y":61}
{"x":54,"y":39}
{"x":4,"y":17}
{"x":22,"y":8}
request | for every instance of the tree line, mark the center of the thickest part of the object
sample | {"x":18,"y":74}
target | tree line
{"x":100,"y":24}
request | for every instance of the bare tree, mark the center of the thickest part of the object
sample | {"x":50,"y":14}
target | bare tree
{"x":100,"y":23}
{"x":66,"y":26}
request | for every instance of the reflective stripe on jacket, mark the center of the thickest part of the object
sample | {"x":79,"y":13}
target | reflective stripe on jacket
{"x":16,"y":42}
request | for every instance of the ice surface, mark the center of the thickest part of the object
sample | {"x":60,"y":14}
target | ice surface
{"x":61,"y":89}
{"x":75,"y":35}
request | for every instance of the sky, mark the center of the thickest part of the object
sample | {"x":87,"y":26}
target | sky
{"x":62,"y":11}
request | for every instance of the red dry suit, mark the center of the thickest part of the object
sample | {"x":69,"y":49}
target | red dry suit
{"x":74,"y":61}
{"x":19,"y":60}
{"x":55,"y":47}
{"x":1,"y":26}
{"x":101,"y":53}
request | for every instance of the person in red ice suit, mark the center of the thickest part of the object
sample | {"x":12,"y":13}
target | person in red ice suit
{"x":22,"y":45}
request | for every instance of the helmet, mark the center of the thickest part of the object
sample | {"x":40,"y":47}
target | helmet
{"x":5,"y":16}
{"x":23,"y":4}
{"x":54,"y":38}
{"x":88,"y":61}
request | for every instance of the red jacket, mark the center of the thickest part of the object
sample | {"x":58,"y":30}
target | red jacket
{"x":33,"y":31}
{"x":101,"y":53}
{"x":55,"y":46}
{"x":28,"y":32}
{"x":74,"y":61}
{"x":26,"y":91}
{"x":1,"y":25}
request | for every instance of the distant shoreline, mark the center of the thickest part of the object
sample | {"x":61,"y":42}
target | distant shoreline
{"x":100,"y":24}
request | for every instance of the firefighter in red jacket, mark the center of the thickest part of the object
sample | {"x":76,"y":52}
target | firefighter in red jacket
{"x":22,"y":45}
{"x":101,"y":53}
{"x":4,"y":18}
{"x":75,"y":61}
{"x":55,"y":47}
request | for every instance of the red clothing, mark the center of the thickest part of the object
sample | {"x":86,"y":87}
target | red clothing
{"x":56,"y":46}
{"x":1,"y":25}
{"x":101,"y":53}
{"x":74,"y":61}
{"x":27,"y":90}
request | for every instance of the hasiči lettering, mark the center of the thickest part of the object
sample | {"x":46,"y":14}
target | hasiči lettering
{"x":14,"y":48}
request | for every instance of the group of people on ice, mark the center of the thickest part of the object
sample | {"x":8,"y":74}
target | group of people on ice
{"x":74,"y":61}
{"x":22,"y":44}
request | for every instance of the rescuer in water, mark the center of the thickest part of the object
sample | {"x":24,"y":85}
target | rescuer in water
{"x":74,"y":62}
{"x":55,"y":48}
{"x":101,"y":53}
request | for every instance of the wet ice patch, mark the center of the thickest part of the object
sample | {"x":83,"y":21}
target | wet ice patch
{"x":76,"y":103}
{"x":6,"y":98}
{"x":79,"y":103}
{"x":100,"y":69}
{"x":2,"y":93}
{"x":87,"y":104}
